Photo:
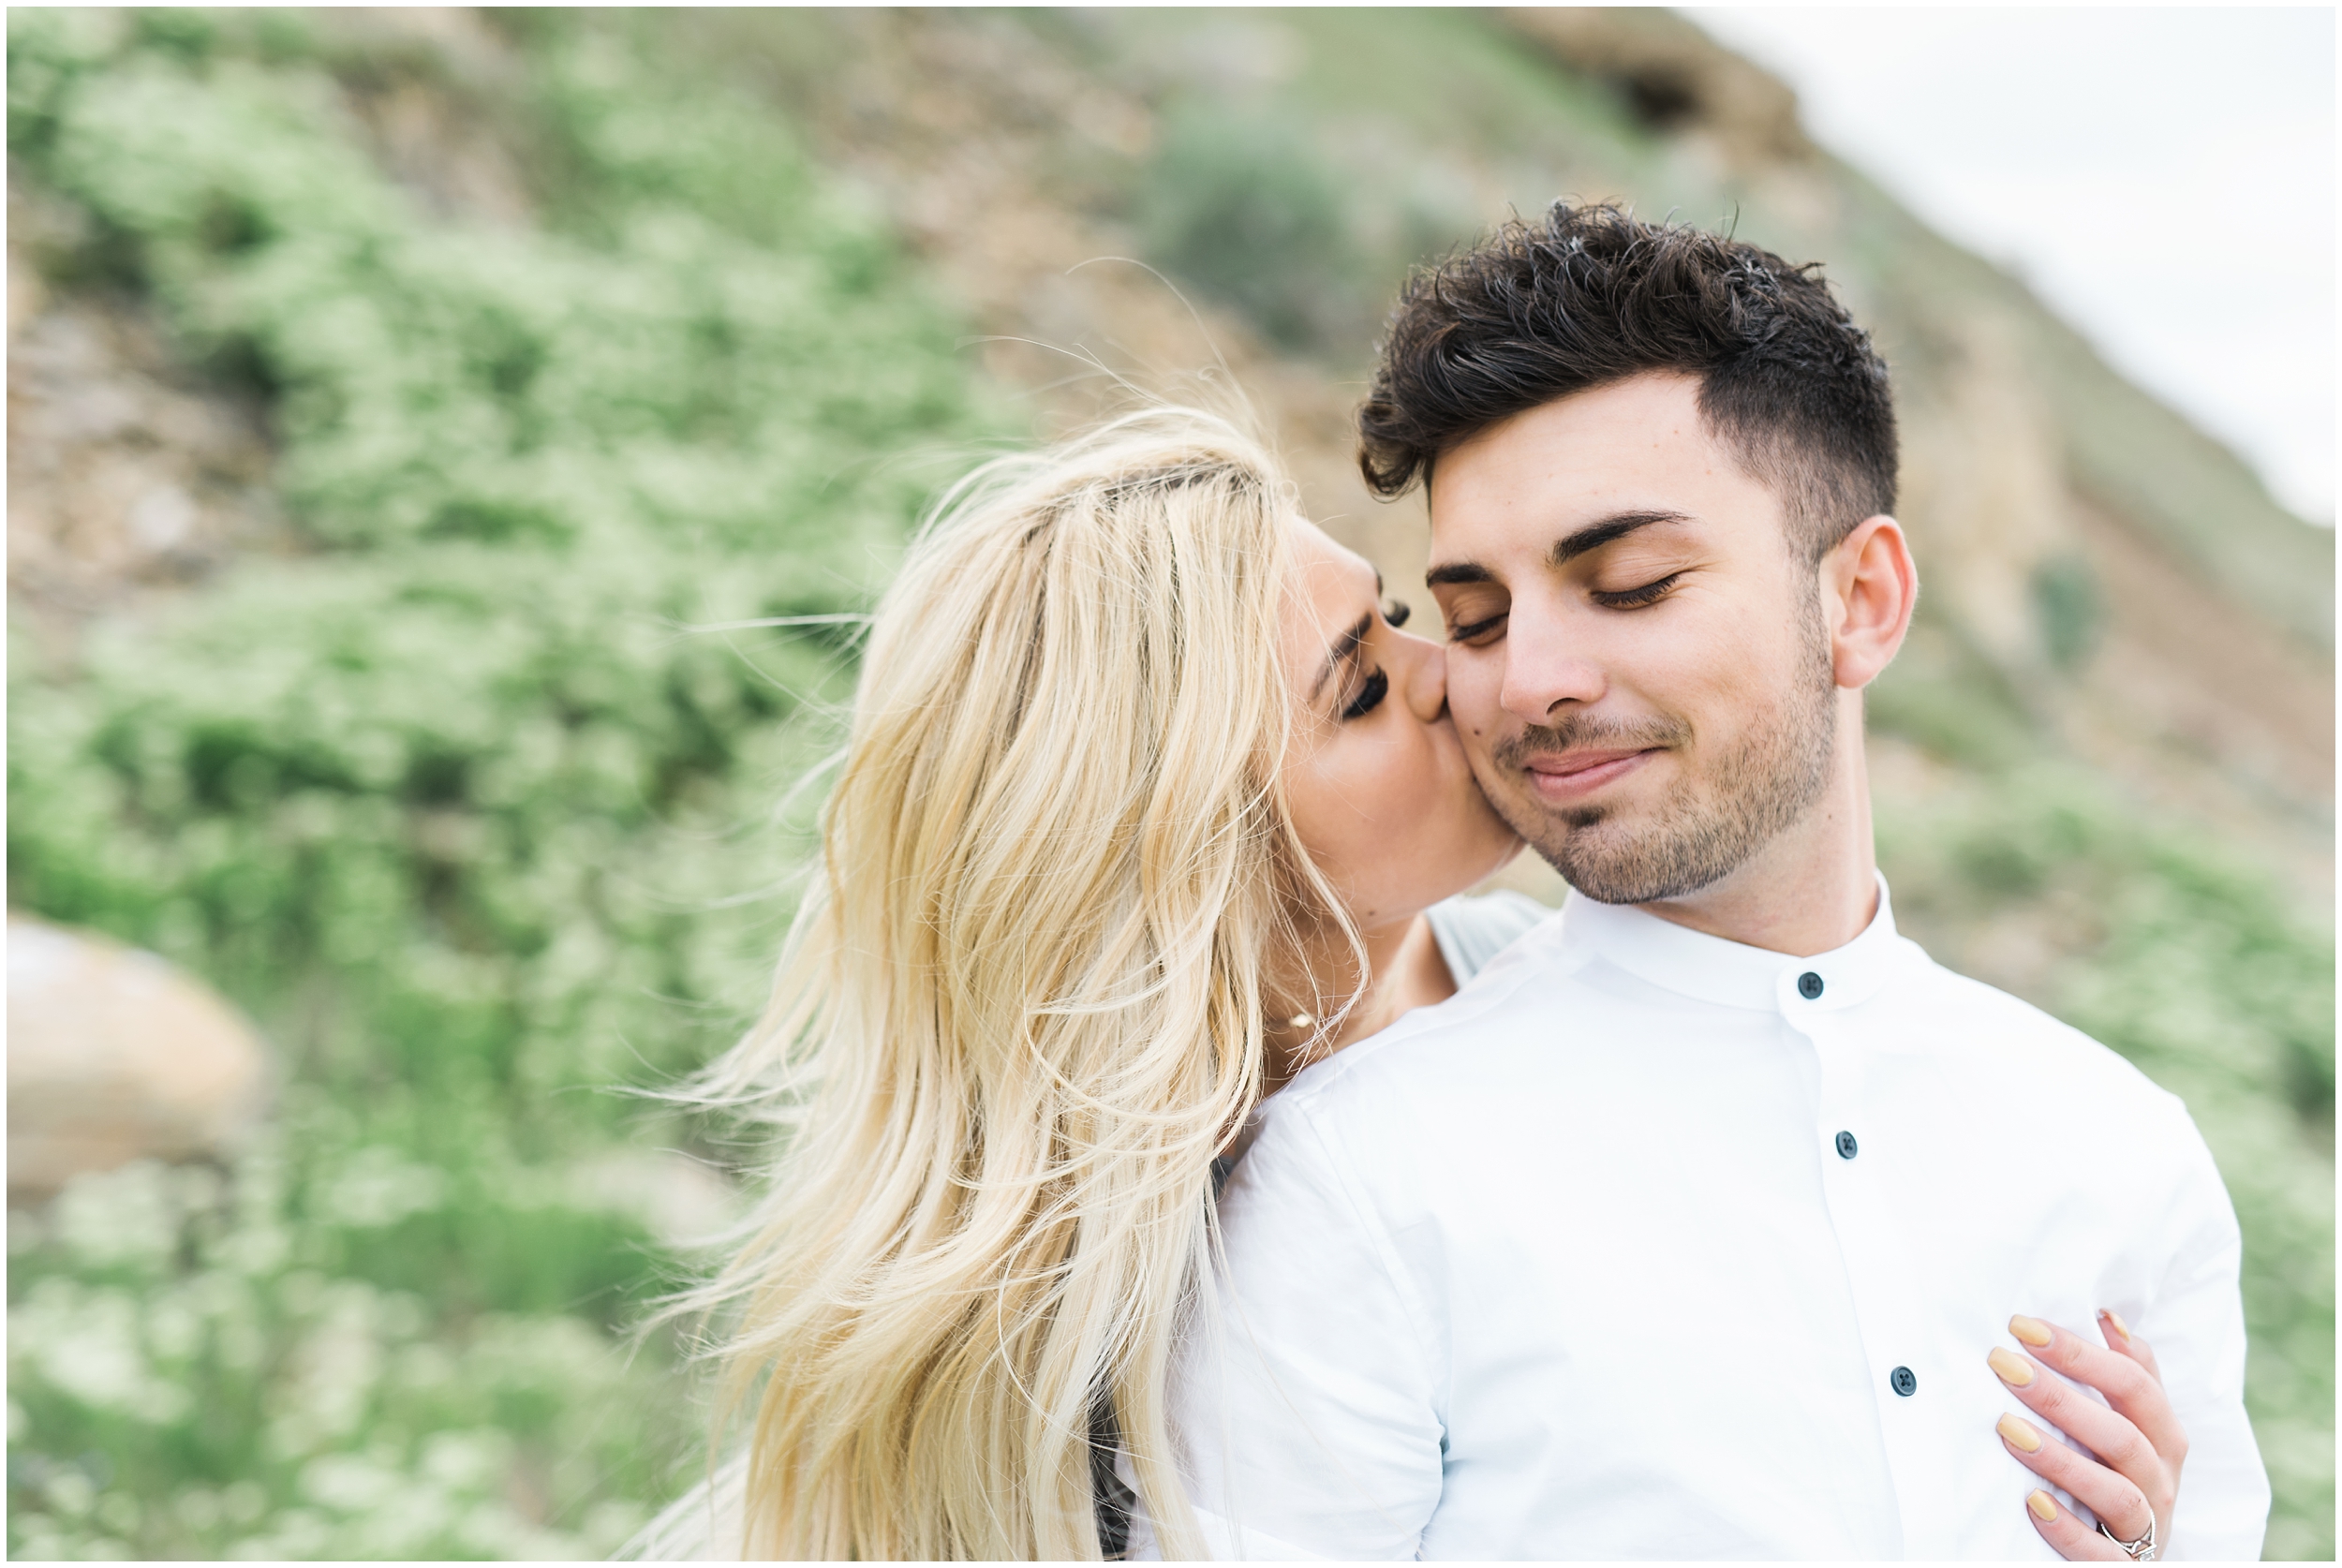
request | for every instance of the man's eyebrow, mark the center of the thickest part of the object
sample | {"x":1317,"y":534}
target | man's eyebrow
{"x":1594,"y":536}
{"x":1344,"y":645}
{"x":1456,"y":571}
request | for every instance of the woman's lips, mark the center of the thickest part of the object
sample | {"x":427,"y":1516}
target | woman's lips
{"x":1576,"y":775}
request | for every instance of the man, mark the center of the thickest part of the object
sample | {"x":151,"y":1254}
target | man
{"x":1688,"y":1228}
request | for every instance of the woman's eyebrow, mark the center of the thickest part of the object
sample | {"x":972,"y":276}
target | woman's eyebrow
{"x":1344,"y":645}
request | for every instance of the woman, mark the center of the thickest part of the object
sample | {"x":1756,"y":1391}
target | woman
{"x":1147,"y":802}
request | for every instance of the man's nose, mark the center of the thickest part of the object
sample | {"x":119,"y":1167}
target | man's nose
{"x":1541,"y":672}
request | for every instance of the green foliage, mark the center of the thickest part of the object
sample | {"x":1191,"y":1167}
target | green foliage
{"x":2067,"y":601}
{"x":1944,"y":695}
{"x":450,"y":798}
{"x":1240,"y":205}
{"x":196,"y":1372}
{"x":1262,"y":212}
{"x":2187,"y":961}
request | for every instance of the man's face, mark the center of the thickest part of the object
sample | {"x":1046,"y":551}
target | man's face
{"x":1640,"y":667}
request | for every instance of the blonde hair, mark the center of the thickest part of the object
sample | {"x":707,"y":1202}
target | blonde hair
{"x":1022,"y":1008}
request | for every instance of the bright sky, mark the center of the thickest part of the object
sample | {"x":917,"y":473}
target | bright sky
{"x":2164,"y":177}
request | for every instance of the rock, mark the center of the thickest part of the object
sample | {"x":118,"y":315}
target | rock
{"x":1673,"y":75}
{"x":129,"y":474}
{"x":115,"y":1055}
{"x":1984,"y":490}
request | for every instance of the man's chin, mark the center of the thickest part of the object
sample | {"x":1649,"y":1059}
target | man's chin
{"x":1548,"y":828}
{"x":1613,"y":866}
{"x":1608,"y":849}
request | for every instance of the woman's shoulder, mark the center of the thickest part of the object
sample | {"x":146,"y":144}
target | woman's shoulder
{"x":1473,"y":929}
{"x":705,"y":1525}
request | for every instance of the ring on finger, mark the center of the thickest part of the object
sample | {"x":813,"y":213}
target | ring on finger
{"x":2141,"y":1550}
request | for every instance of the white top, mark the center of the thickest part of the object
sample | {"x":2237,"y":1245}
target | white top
{"x":705,"y":1524}
{"x":1471,"y":930}
{"x":1571,"y":1266}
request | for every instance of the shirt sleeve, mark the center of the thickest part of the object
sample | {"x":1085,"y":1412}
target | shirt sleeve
{"x":1307,"y":1406}
{"x":2196,"y":1324}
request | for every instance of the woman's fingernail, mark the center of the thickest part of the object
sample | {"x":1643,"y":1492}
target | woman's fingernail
{"x":2021,"y":1434}
{"x":2033,"y":1331}
{"x":2014,"y":1369}
{"x":2043,"y":1505}
{"x":2116,"y":1319}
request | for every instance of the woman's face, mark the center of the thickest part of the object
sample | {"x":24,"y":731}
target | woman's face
{"x":1376,"y":779}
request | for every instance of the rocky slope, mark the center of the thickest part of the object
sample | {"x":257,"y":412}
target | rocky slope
{"x":2102,"y":581}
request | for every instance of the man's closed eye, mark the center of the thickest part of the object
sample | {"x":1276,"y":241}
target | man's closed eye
{"x":1636,"y":599}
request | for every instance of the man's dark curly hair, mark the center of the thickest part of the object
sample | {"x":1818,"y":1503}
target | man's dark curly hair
{"x":1591,"y":295}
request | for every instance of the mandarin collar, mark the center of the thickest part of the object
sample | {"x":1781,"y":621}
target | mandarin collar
{"x":1732,"y":974}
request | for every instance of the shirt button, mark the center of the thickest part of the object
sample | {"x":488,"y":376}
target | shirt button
{"x":1809,"y":985}
{"x":1847,"y":1147}
{"x":1903,"y":1382}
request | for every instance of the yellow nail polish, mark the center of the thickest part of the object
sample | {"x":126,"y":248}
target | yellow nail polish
{"x":2033,"y":1331}
{"x":2014,"y":1369}
{"x":2116,"y":1319}
{"x":2043,"y":1505}
{"x":2018,"y":1432}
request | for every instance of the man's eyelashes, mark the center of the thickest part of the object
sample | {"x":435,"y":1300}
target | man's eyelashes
{"x":1635,"y":599}
{"x":1624,"y":599}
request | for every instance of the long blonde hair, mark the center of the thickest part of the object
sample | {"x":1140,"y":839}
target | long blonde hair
{"x":1022,"y":1008}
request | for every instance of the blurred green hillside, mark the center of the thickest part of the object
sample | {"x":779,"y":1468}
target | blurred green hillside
{"x":444,"y":788}
{"x":568,"y":337}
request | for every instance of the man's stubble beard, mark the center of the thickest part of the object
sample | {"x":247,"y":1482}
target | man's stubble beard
{"x":1714,"y":823}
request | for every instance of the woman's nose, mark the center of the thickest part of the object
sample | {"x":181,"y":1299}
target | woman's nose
{"x":1424,"y":680}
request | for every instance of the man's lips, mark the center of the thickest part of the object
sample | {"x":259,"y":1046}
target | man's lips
{"x":1571,"y":775}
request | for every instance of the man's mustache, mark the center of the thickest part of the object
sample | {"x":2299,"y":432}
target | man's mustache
{"x":1582,"y":731}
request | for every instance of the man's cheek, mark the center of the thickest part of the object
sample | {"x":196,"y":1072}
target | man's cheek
{"x":1474,"y":686}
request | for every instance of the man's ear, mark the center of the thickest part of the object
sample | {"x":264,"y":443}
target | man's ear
{"x":1868,"y":589}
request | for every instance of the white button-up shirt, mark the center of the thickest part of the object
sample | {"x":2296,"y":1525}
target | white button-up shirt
{"x":1651,"y":1244}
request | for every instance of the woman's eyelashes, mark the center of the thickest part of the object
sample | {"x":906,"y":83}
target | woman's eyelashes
{"x":1369,"y":697}
{"x":1377,"y":683}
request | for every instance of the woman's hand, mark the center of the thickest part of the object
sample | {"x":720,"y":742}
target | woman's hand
{"x":2134,"y":1481}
